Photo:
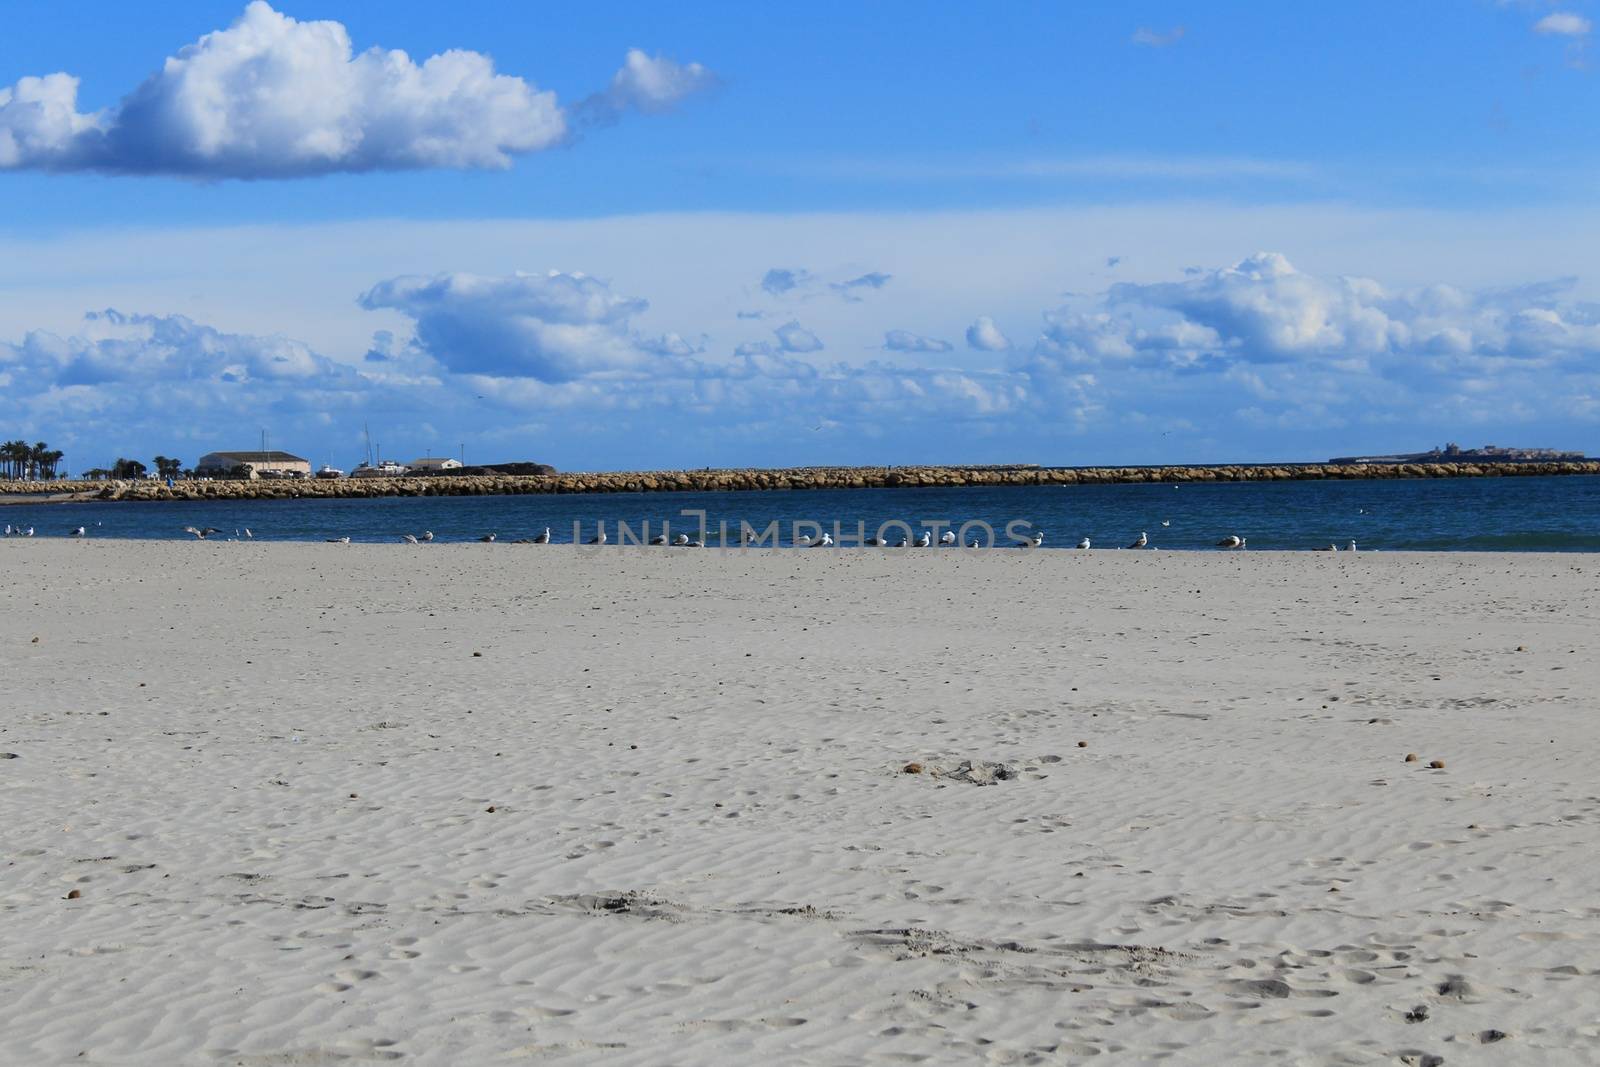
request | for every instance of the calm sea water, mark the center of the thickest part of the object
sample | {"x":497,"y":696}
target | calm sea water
{"x":1466,"y":514}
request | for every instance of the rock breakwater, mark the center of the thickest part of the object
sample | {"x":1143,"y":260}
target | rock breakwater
{"x":753,"y":480}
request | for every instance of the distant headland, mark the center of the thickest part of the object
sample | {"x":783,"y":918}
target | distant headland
{"x":1454,"y":453}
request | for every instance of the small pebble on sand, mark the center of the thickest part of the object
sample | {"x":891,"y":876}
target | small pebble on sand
{"x":1437,"y":765}
{"x":1411,"y":757}
{"x":74,"y":895}
{"x":1083,"y":744}
{"x":912,"y":768}
{"x":490,"y":809}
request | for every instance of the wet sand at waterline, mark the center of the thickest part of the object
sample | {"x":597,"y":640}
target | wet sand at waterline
{"x":308,"y":803}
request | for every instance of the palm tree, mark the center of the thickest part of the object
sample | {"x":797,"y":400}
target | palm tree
{"x":14,"y":457}
{"x":127,"y":469}
{"x":168,"y":468}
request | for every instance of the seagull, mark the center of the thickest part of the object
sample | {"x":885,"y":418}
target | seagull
{"x":948,"y":537}
{"x":696,"y":543}
{"x":903,"y":542}
{"x":599,"y":538}
{"x":427,"y":535}
{"x":973,"y":543}
{"x":1084,"y":543}
{"x":749,"y":538}
{"x":1142,"y":540}
{"x":659,"y":539}
{"x":1333,"y":548}
{"x":543,"y":537}
{"x":79,"y":531}
{"x":201,"y":534}
{"x":486,"y":538}
{"x":875,"y":542}
{"x":1166,"y":522}
{"x":28,"y":532}
{"x":248,"y":536}
{"x":826,"y":542}
{"x":805,"y":541}
{"x":1036,"y":541}
{"x":409,"y":539}
{"x":1231,"y":541}
{"x":1352,"y":546}
{"x":925,"y":540}
{"x":681,"y":541}
{"x":8,"y":529}
{"x":338,"y":540}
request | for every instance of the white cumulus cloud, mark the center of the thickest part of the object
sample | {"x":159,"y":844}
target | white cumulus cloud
{"x":554,"y":327}
{"x":274,"y":97}
{"x":1563,"y":24}
{"x":985,"y":336}
{"x":1263,"y":310}
{"x":647,"y":84}
{"x":793,"y":337}
{"x":906,"y":341}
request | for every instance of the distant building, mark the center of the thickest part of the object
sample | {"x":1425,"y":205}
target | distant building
{"x":259,"y":464}
{"x":435,"y":463}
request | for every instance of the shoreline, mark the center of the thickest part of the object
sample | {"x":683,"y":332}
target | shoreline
{"x":765,"y":480}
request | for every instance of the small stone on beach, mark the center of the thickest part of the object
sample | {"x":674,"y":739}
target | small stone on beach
{"x":1411,"y":757}
{"x":74,"y":895}
{"x":912,"y":768}
{"x":490,"y":809}
{"x":1436,"y":765}
{"x":1083,"y":744}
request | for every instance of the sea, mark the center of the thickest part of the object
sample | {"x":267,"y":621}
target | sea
{"x":1508,"y":514}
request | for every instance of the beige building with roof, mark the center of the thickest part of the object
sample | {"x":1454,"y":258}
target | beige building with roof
{"x":259,"y":463}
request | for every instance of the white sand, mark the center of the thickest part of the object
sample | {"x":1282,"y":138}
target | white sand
{"x":703,"y":850}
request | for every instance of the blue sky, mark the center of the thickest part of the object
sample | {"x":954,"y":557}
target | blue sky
{"x":643,"y":236}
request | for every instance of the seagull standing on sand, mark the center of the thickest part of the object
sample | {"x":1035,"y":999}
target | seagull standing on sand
{"x":875,"y":542}
{"x":904,"y":542}
{"x":427,"y":535}
{"x":948,"y":537}
{"x":1352,"y":546}
{"x":681,"y":541}
{"x":599,"y":538}
{"x":80,"y":532}
{"x":543,"y":537}
{"x":486,"y":538}
{"x":1231,"y":541}
{"x":659,"y":539}
{"x":925,"y":540}
{"x":1084,"y":543}
{"x":339,"y":540}
{"x":1036,"y":541}
{"x":826,"y":542}
{"x":201,"y":534}
{"x":410,"y":539}
{"x":804,"y":541}
{"x":1142,"y":540}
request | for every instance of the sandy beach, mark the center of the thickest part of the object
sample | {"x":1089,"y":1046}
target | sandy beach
{"x":307,"y":803}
